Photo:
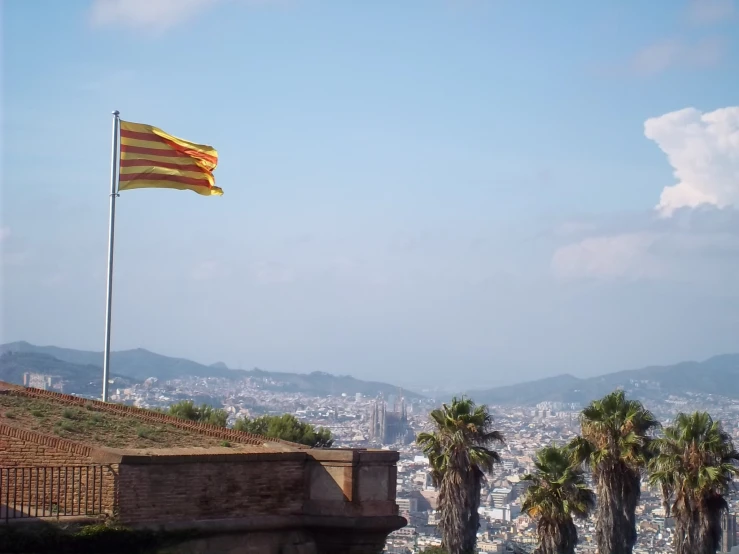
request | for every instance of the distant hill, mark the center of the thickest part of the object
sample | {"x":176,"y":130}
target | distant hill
{"x":718,"y":375}
{"x":140,"y":364}
{"x":86,"y":380}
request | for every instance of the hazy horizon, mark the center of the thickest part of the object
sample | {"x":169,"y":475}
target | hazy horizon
{"x":416,"y":387}
{"x":433,"y":191}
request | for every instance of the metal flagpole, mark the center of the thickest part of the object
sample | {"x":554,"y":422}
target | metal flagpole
{"x":111,"y":231}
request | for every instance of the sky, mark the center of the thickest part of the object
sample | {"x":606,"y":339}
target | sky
{"x":433,"y":193}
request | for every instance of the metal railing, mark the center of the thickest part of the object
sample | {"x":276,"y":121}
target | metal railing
{"x":51,"y":491}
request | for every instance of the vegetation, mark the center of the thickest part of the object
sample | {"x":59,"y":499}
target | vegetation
{"x":615,"y":443}
{"x":98,"y":428}
{"x":200,"y":414}
{"x":694,"y":465}
{"x":286,"y":427}
{"x":459,"y":455}
{"x":147,"y":433}
{"x":556,"y":494}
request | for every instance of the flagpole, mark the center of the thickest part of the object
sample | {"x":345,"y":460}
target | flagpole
{"x":111,"y":232}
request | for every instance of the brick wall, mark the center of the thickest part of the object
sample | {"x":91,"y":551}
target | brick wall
{"x":19,"y":447}
{"x":195,"y":490}
{"x":52,"y":476}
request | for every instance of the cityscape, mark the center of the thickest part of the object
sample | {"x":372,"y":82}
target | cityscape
{"x":357,"y":421}
{"x":364,"y":277}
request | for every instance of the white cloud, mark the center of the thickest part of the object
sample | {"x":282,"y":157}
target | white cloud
{"x":672,"y":53}
{"x":710,"y":11}
{"x":698,"y":247}
{"x":154,"y":14}
{"x":693,"y":233}
{"x":159,"y":14}
{"x":609,"y":257}
{"x":703,"y":149}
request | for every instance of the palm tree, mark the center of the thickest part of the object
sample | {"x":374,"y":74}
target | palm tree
{"x":694,"y":464}
{"x":615,"y":444}
{"x":557,"y":493}
{"x":459,"y":454}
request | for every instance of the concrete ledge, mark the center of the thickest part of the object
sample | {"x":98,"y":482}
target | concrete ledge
{"x":353,"y":455}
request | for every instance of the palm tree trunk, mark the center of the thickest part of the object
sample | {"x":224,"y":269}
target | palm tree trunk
{"x":709,"y":529}
{"x":556,"y":538}
{"x":454,"y":502}
{"x":473,"y":522}
{"x":697,"y":528}
{"x":618,"y":494}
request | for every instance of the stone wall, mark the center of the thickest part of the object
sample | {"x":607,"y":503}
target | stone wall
{"x":19,"y":447}
{"x":201,"y":487}
{"x":352,"y":483}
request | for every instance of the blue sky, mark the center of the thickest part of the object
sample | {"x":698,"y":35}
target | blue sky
{"x":502,"y":189}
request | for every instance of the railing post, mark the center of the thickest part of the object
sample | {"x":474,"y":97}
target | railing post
{"x":65,"y":508}
{"x":15,"y":489}
{"x":43,"y":502}
{"x":7,"y":495}
{"x":94,"y":488}
{"x":66,"y":487}
{"x":58,"y":491}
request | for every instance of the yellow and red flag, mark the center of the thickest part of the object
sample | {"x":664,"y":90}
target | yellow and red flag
{"x":151,"y":158}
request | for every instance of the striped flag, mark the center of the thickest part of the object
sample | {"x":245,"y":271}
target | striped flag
{"x":151,"y":158}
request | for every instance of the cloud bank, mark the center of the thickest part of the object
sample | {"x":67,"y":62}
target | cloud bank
{"x":693,"y":233}
{"x":679,"y":53}
{"x":710,"y":11}
{"x":159,"y":14}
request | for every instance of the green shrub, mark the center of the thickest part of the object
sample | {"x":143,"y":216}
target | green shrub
{"x":146,"y":433}
{"x":65,"y":425}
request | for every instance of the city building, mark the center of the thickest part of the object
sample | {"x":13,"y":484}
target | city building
{"x":37,"y":380}
{"x":501,"y":496}
{"x":390,"y":427}
{"x":728,"y":531}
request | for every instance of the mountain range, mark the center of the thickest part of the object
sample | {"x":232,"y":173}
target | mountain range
{"x":718,"y":375}
{"x":83,"y":370}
